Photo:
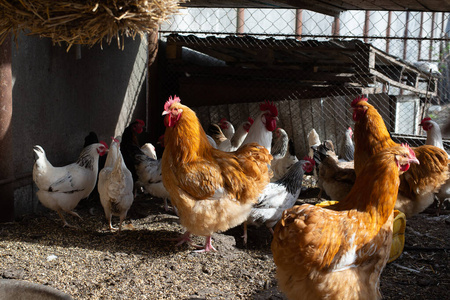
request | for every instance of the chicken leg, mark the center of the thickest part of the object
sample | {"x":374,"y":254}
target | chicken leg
{"x":64,"y":220}
{"x":208,"y":246}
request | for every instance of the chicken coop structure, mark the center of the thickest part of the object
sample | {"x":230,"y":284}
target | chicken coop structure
{"x":222,"y":58}
{"x":312,"y":62}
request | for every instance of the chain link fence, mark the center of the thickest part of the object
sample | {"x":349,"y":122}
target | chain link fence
{"x":312,"y":66}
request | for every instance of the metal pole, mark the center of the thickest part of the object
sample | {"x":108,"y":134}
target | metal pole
{"x":6,"y":151}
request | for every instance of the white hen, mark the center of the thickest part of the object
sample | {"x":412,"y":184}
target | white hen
{"x":227,"y":128}
{"x":313,"y":141}
{"x":283,"y":153}
{"x":115,"y":186}
{"x":261,"y":130}
{"x":239,"y":136}
{"x":149,"y":150}
{"x":62,"y":188}
{"x":434,"y":138}
{"x":150,"y":177}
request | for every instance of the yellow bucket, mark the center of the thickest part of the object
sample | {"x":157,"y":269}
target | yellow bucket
{"x":398,"y":231}
{"x":398,"y":235}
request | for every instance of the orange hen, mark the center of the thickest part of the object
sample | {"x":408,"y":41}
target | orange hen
{"x":418,"y":186}
{"x":339,"y":253}
{"x":211,"y":189}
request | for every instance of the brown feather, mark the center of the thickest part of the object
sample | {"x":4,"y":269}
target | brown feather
{"x":311,"y":245}
{"x":418,"y":184}
{"x":193,"y":171}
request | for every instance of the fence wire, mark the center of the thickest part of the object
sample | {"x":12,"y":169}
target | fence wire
{"x":312,"y":65}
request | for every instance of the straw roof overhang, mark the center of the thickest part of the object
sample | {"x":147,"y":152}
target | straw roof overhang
{"x":85,"y":22}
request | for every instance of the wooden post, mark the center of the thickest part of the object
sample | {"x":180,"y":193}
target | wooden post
{"x":441,"y":43}
{"x":430,"y":50}
{"x":366,"y":27}
{"x":6,"y":151}
{"x":153,"y":114}
{"x":298,"y":24}
{"x":240,"y":20}
{"x":336,"y":27}
{"x":419,"y":52}
{"x":405,"y":35}
{"x":388,"y":31}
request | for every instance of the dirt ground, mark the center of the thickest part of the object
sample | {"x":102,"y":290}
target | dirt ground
{"x":141,"y":263}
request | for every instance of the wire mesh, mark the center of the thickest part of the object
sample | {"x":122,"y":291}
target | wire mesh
{"x":312,"y":66}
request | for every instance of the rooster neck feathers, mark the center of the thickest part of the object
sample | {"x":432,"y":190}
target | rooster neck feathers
{"x":188,"y":137}
{"x":381,"y":177}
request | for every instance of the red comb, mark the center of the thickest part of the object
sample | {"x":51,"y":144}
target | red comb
{"x":170,"y":102}
{"x":270,"y":106}
{"x":223,"y":120}
{"x":250,"y":119}
{"x":426,"y":119}
{"x":104,"y":144}
{"x":411,"y":151}
{"x":307,"y":158}
{"x":140,"y":122}
{"x":115,"y":140}
{"x":358,"y":99}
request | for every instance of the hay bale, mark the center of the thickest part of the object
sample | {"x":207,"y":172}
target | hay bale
{"x":85,"y":22}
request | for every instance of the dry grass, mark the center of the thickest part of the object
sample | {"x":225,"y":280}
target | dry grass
{"x":85,"y":22}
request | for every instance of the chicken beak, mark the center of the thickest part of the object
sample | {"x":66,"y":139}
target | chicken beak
{"x":165,"y":113}
{"x":414,"y":161}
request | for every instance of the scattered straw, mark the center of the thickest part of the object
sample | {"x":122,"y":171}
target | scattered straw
{"x":85,"y":22}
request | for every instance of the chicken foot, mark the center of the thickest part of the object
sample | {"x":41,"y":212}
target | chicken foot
{"x":186,"y":238}
{"x":64,"y":220}
{"x":208,"y":246}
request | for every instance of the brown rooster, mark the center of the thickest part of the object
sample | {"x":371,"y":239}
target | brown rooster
{"x":340,"y":252}
{"x":418,"y":186}
{"x":211,"y":189}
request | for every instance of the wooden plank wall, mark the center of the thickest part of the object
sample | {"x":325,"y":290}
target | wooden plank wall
{"x":330,"y":117}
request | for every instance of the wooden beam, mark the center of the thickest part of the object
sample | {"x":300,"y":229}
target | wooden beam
{"x":386,"y":79}
{"x":291,"y":76}
{"x":210,"y":91}
{"x":6,"y":134}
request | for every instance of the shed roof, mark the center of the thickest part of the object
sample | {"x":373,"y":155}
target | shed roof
{"x":330,"y":7}
{"x":317,"y":66}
